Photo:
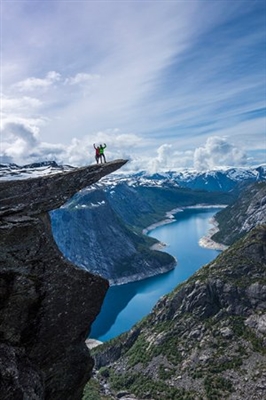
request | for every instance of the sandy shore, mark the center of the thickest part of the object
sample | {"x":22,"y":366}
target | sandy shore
{"x":91,"y":343}
{"x":207,"y":242}
{"x":168,"y":220}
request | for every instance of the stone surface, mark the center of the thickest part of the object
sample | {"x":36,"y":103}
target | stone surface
{"x":47,"y":304}
{"x":243,"y":215}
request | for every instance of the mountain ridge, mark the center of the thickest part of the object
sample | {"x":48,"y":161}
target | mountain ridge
{"x":216,"y":179}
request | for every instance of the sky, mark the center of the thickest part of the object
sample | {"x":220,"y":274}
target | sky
{"x":165,"y":84}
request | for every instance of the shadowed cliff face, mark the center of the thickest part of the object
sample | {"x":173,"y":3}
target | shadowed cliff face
{"x":47,"y":304}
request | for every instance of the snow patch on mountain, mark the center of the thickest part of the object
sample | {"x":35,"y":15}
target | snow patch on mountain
{"x":14,"y":171}
{"x":219,"y":179}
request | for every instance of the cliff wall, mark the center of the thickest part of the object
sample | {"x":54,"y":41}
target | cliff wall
{"x":240,"y":217}
{"x":47,"y":304}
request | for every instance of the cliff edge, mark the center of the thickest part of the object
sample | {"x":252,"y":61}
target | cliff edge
{"x":47,"y":304}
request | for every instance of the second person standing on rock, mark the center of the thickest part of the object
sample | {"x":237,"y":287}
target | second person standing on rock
{"x":102,"y":155}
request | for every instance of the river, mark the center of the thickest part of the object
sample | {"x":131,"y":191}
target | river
{"x":125,"y":305}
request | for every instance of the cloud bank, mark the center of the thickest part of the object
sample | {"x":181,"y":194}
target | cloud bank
{"x":218,"y":152}
{"x":21,"y":144}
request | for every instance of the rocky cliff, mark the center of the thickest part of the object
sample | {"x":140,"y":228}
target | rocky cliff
{"x":206,"y":340}
{"x":47,"y":304}
{"x":240,"y":217}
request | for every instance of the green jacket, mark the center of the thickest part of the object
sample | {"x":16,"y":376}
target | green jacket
{"x":102,"y":149}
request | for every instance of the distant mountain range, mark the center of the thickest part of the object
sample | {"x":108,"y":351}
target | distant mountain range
{"x":14,"y":171}
{"x":223,"y":179}
{"x":220,"y":179}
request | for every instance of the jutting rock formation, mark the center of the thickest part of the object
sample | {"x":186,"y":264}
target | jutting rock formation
{"x":47,"y":304}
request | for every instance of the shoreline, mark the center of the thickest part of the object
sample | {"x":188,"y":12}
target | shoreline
{"x":140,"y":277}
{"x":91,"y":343}
{"x":168,"y":220}
{"x":205,"y":241}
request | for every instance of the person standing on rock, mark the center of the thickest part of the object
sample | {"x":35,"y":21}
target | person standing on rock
{"x":97,"y":153}
{"x":102,"y":156}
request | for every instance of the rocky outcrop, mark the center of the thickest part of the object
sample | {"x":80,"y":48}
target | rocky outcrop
{"x":240,"y":217}
{"x":47,"y":304}
{"x":205,"y":340}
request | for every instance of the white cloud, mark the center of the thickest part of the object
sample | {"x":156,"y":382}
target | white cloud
{"x":17,"y":141}
{"x":11,"y":105}
{"x":163,"y":160}
{"x":33,"y":83}
{"x":21,"y":144}
{"x":81,"y":78}
{"x":218,"y":152}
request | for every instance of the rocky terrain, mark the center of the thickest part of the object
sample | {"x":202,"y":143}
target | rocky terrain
{"x":241,"y":216}
{"x":47,"y":304}
{"x":205,"y":340}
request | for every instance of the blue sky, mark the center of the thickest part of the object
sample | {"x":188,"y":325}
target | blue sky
{"x":166,"y":84}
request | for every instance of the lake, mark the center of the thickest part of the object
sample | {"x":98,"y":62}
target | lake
{"x":125,"y":305}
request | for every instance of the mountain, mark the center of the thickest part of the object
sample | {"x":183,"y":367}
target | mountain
{"x":14,"y":171}
{"x":219,"y":179}
{"x":205,"y":340}
{"x":101,"y":228}
{"x":47,"y":304}
{"x":248,"y":211}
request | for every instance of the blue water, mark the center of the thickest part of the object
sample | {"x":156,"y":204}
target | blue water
{"x":127,"y":304}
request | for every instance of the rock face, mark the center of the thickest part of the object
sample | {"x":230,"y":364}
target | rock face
{"x":91,"y":233}
{"x":47,"y":304}
{"x":240,"y":217}
{"x":205,"y":340}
